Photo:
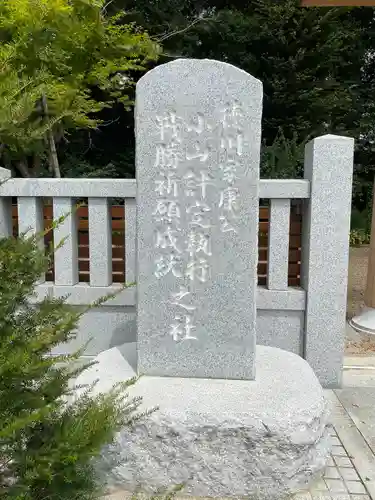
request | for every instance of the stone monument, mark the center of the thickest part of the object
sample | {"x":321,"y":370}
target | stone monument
{"x":198,"y":129}
{"x":223,"y":428}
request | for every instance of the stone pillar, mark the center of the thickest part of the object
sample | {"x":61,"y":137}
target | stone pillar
{"x":326,"y":226}
{"x":198,"y":129}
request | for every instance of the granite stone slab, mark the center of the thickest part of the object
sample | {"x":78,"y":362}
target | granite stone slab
{"x":198,"y":130}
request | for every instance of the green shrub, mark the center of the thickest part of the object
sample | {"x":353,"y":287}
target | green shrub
{"x":359,"y":237}
{"x":360,"y":220}
{"x":283,"y":159}
{"x":47,"y":445}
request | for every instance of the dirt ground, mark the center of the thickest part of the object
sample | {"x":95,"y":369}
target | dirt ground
{"x":356,"y":288}
{"x":357,"y":280}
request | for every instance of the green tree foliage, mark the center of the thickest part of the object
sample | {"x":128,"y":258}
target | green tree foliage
{"x":53,"y":53}
{"x":311,"y":63}
{"x":309,"y":60}
{"x":48,"y":439}
{"x":283,"y":158}
{"x":316,"y":66}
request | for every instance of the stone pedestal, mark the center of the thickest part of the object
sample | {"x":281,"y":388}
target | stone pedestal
{"x":265,"y":439}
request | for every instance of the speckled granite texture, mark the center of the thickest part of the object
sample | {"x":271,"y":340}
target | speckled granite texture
{"x":266,"y":438}
{"x":198,"y":134}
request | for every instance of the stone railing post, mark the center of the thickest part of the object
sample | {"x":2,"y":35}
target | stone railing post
{"x":325,"y":253}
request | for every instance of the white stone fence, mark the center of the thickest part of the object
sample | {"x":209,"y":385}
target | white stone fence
{"x":308,"y":320}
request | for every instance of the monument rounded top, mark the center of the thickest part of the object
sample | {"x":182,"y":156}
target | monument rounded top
{"x":187,"y":66}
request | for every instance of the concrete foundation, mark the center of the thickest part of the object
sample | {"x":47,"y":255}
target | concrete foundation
{"x":265,"y":439}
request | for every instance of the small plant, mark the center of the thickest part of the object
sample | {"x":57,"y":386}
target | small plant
{"x":359,"y":237}
{"x":48,"y":440}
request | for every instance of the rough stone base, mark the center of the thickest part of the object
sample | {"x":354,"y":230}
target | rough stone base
{"x":264,"y":439}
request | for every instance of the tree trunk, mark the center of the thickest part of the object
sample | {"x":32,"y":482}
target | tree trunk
{"x":370,"y":288}
{"x":36,"y":165}
{"x":52,"y":153}
{"x":23,"y":168}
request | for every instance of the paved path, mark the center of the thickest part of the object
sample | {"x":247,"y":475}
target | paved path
{"x":350,"y":474}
